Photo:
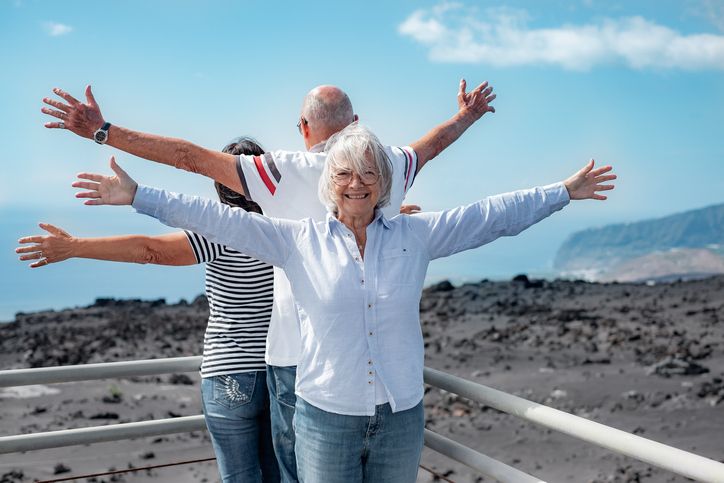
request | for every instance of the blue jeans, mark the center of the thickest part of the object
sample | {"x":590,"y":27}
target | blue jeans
{"x":335,"y":448}
{"x":236,"y":407}
{"x":282,"y":401}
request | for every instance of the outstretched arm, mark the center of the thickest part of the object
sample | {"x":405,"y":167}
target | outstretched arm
{"x":267,"y":239}
{"x":471,"y":106}
{"x":58,"y":245}
{"x":508,"y":214}
{"x":84,"y":119}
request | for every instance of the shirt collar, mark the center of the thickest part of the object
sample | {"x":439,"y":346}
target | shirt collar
{"x":318,"y":148}
{"x":379,"y":216}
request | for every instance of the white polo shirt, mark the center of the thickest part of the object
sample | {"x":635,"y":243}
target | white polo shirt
{"x":285,"y":184}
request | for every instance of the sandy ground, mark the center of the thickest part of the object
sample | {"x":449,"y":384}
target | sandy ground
{"x":645,"y":359}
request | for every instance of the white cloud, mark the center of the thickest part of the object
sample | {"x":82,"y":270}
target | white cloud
{"x":502,"y":37}
{"x":55,"y":29}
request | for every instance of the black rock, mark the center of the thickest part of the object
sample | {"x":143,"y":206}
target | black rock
{"x":180,"y":379}
{"x":677,"y":367}
{"x":12,"y":476}
{"x":107,"y":415}
{"x":60,"y":468}
{"x":444,"y":286}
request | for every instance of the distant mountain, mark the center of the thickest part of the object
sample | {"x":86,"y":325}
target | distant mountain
{"x":685,"y":245}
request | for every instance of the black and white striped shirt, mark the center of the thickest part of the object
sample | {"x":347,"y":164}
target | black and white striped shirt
{"x":240,"y":294}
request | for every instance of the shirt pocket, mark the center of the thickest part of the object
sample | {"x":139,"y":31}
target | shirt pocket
{"x":396,"y":272}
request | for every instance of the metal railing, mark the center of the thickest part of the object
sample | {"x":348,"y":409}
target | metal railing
{"x":675,"y":460}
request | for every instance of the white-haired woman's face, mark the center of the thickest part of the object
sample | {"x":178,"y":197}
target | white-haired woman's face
{"x":356,"y":194}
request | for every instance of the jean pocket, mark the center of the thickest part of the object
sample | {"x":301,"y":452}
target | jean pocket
{"x":234,"y":390}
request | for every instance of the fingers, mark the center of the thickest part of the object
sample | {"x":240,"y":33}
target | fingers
{"x":90,"y":176}
{"x":482,"y":86}
{"x":70,"y":99}
{"x":57,"y":104}
{"x":88,"y":194}
{"x":54,"y":125}
{"x":29,"y":248}
{"x":489,"y":100}
{"x":52,"y":112}
{"x":587,"y":168}
{"x":89,"y":96}
{"x":600,"y":171}
{"x":463,"y":85}
{"x":86,"y":185}
{"x":604,"y":187}
{"x":32,"y":256}
{"x":599,"y":197}
{"x":601,"y":179}
{"x":117,"y":169}
{"x":53,"y":230}
{"x":94,"y":202}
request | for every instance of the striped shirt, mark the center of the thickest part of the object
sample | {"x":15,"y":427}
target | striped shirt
{"x":240,"y":294}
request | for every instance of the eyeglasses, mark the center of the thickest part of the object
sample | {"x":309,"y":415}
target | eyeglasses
{"x":299,"y":124}
{"x":343,"y":178}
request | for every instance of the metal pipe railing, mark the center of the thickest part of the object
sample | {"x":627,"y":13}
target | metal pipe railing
{"x":667,"y":457}
{"x":98,"y":434}
{"x":672,"y":459}
{"x":477,"y":461}
{"x":105,"y":370}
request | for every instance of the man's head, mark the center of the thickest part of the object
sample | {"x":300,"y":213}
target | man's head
{"x":326,"y":110}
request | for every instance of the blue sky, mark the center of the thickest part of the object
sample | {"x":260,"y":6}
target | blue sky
{"x":638,"y":84}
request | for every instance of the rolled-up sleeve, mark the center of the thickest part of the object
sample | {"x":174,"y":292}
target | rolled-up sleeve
{"x":267,"y":239}
{"x":451,"y":231}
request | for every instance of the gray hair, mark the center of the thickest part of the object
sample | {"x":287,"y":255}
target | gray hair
{"x":328,"y":109}
{"x":349,"y":149}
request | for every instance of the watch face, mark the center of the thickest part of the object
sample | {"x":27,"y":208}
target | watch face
{"x":100,"y":136}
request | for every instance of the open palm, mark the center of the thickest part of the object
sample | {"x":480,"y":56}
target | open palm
{"x":587,"y":182}
{"x":119,"y":189}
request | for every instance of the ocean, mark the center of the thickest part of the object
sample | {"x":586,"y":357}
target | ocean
{"x":79,"y":282}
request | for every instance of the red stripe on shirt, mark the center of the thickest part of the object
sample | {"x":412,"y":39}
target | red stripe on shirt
{"x":409,"y":166}
{"x":264,"y":177}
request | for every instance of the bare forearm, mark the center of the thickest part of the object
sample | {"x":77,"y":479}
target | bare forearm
{"x":178,"y":153}
{"x":440,"y":137}
{"x":175,"y":250}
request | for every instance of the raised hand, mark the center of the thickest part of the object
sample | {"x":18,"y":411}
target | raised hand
{"x":107,"y":190}
{"x":51,"y":248}
{"x":587,"y":181}
{"x":476,"y":102}
{"x":82,"y":119}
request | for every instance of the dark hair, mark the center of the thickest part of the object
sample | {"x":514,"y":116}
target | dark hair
{"x":239,"y":146}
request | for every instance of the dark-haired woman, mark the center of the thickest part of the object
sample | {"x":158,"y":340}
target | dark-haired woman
{"x":240,"y":292}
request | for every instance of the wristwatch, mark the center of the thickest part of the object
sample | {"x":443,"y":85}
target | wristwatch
{"x":101,"y":135}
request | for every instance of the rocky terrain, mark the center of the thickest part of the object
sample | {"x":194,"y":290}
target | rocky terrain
{"x":643,"y":358}
{"x":683,"y":245}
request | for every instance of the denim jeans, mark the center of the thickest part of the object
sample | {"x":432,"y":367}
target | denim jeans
{"x":282,"y":400}
{"x":236,"y":407}
{"x":336,"y":448}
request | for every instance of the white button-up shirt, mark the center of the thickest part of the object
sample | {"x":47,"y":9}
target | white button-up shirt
{"x":284,"y":184}
{"x":359,"y":317}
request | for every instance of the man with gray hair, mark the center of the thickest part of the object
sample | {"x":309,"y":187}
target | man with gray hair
{"x":326,"y":110}
{"x":284,"y":184}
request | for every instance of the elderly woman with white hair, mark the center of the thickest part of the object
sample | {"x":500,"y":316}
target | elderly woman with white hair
{"x":357,"y":279}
